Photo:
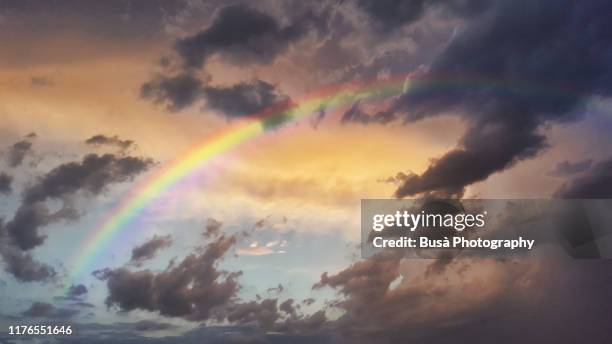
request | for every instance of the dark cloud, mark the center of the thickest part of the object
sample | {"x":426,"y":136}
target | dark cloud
{"x":568,"y":168}
{"x":77,"y":291}
{"x":149,"y":249}
{"x":356,"y":115}
{"x":213,"y":228}
{"x":46,"y":310}
{"x":436,"y":310}
{"x":91,"y":175}
{"x":22,"y":265}
{"x":243,"y":99}
{"x":529,"y":55}
{"x":98,"y":140}
{"x":5,"y":183}
{"x":191,"y":289}
{"x":174,"y":92}
{"x":241,"y":35}
{"x":263,"y":313}
{"x":238,"y":100}
{"x":388,"y":15}
{"x":597,"y":183}
{"x":17,"y":152}
{"x":268,"y":315}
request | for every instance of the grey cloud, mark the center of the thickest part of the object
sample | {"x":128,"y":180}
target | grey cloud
{"x":93,"y":174}
{"x":174,"y":92}
{"x":77,"y":291}
{"x":213,"y":228}
{"x":191,"y":289}
{"x":568,"y":168}
{"x":149,"y":249}
{"x":504,"y":122}
{"x":46,"y":310}
{"x":241,"y":34}
{"x":375,"y":312}
{"x":22,"y":265}
{"x":5,"y":183}
{"x":17,"y":152}
{"x":388,"y":15}
{"x":242,"y":99}
{"x":597,"y":183}
{"x":356,"y":115}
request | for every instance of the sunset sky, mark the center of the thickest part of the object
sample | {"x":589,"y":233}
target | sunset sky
{"x":260,"y":242}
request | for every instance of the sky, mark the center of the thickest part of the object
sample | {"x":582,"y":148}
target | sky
{"x":258,"y":242}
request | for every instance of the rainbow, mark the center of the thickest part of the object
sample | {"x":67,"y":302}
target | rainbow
{"x":147,"y":190}
{"x":329,"y":98}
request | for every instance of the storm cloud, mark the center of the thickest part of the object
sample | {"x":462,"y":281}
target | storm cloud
{"x":504,"y":120}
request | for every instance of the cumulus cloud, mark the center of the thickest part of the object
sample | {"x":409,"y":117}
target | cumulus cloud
{"x":503,"y":120}
{"x":190,"y":289}
{"x":149,"y":249}
{"x":5,"y":183}
{"x":91,"y":175}
{"x":17,"y":152}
